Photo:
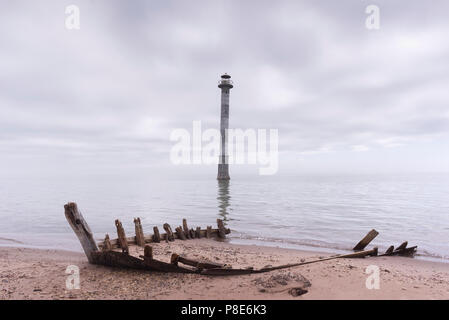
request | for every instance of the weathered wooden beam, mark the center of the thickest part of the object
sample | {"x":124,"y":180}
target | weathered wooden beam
{"x":121,"y":237}
{"x":402,"y":246}
{"x":401,"y":251}
{"x":169,"y":232}
{"x":106,"y":244}
{"x":163,"y":236}
{"x":81,"y":229}
{"x":119,"y":260}
{"x":221,"y":229}
{"x":198,"y":264}
{"x":166,"y":267}
{"x":192,"y":234}
{"x":148,"y":252}
{"x":198,"y":232}
{"x":407,"y":252}
{"x":156,"y":236}
{"x":140,"y":238}
{"x":366,"y":240}
{"x":231,"y":272}
{"x":208,"y":232}
{"x":389,"y":250}
{"x":180,"y":233}
{"x":185,"y":228}
{"x":174,"y":259}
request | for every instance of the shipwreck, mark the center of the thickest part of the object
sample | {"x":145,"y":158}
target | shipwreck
{"x":115,"y":252}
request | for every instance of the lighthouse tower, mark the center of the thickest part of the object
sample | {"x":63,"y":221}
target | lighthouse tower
{"x":225,"y":84}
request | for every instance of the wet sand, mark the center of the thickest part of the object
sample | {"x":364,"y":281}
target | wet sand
{"x":40,"y":274}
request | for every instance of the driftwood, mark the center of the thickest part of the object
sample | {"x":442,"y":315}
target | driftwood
{"x":366,"y":240}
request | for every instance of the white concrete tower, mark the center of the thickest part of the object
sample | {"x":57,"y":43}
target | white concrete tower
{"x":225,"y":84}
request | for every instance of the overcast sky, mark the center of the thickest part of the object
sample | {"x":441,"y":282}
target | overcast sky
{"x":107,"y":96}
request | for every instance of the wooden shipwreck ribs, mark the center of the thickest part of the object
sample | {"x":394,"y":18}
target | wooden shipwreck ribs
{"x":103,"y":253}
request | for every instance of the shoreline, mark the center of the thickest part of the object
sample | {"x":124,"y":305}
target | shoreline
{"x":67,"y":242}
{"x":40,"y":274}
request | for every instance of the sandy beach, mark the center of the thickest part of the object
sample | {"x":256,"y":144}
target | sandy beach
{"x":40,"y":274}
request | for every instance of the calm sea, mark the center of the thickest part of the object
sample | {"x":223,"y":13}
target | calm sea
{"x":328,"y":213}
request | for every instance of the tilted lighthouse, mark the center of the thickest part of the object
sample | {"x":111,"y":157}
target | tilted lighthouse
{"x":225,"y":84}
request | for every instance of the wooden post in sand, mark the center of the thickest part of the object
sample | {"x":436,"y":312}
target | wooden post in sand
{"x":156,"y":235}
{"x":107,"y":246}
{"x":186,"y":228}
{"x":148,"y":252}
{"x":122,"y":237}
{"x":198,"y":232}
{"x":208,"y":232}
{"x":180,"y":233}
{"x":402,"y":246}
{"x":140,"y":238}
{"x":221,"y":229}
{"x":81,"y":229}
{"x":366,"y":240}
{"x":389,"y":250}
{"x":170,"y":236}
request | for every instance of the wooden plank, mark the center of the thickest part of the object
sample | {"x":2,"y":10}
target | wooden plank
{"x":192,"y":234}
{"x":148,"y":252}
{"x":180,"y":233}
{"x":198,"y":264}
{"x":221,"y":229}
{"x":389,"y":250}
{"x":185,"y":228}
{"x":122,"y":237}
{"x":170,"y":236}
{"x":106,"y":244}
{"x":140,"y":238}
{"x":230,"y":272}
{"x":366,"y":240}
{"x":149,"y":238}
{"x":208,"y":232}
{"x":407,"y":252}
{"x":174,"y":259}
{"x":156,"y":236}
{"x":166,"y":267}
{"x":402,"y":246}
{"x":198,"y":232}
{"x":81,"y":229}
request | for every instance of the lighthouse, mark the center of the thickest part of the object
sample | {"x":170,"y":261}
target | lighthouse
{"x":225,"y":84}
